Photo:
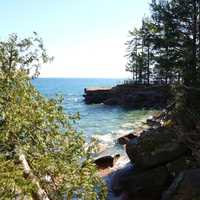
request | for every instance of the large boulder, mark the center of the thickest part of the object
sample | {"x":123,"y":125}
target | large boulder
{"x":142,"y":186}
{"x":120,"y":176}
{"x":185,"y":187}
{"x":155,"y":149}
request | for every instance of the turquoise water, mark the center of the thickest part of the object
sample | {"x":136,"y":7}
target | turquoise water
{"x":106,"y":123}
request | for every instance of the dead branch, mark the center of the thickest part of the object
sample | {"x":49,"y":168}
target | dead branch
{"x":40,"y":193}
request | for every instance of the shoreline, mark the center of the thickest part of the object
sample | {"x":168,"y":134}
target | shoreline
{"x":155,"y":152}
{"x":108,"y":143}
{"x":123,"y":163}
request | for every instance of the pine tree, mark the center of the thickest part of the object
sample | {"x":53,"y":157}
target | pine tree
{"x":172,"y":37}
{"x":133,"y":54}
{"x":139,"y":55}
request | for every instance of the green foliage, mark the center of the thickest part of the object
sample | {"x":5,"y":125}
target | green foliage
{"x":139,"y":55}
{"x":166,"y":50}
{"x":167,"y":44}
{"x":187,"y":109}
{"x":26,"y":54}
{"x":37,"y":127}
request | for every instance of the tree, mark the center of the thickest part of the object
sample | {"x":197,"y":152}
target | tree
{"x":147,"y":31}
{"x":138,"y":59}
{"x":168,"y":49}
{"x":132,"y":49}
{"x":41,"y":155}
{"x":164,"y":42}
{"x":172,"y":35}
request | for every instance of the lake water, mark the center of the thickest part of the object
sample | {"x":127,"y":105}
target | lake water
{"x":106,"y":123}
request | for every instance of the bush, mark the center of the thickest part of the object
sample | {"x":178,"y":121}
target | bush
{"x":41,"y":155}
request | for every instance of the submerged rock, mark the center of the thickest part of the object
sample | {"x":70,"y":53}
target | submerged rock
{"x":106,"y":161}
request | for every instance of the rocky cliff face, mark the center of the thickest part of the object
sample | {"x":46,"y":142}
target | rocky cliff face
{"x":163,"y":168}
{"x":130,"y":96}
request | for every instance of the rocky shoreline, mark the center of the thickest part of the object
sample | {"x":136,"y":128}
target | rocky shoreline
{"x":129,"y":96}
{"x":161,"y":166}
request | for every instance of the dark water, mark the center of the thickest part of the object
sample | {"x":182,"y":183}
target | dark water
{"x":105,"y":123}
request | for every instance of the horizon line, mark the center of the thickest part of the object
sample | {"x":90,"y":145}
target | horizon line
{"x":84,"y":77}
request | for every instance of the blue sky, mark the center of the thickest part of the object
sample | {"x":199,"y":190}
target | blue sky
{"x":86,"y":37}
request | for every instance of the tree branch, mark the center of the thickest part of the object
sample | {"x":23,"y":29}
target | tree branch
{"x":40,"y":193}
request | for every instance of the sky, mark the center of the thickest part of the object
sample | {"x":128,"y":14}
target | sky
{"x":86,"y":37}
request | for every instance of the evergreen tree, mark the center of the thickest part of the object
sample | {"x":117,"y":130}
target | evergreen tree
{"x":139,"y":55}
{"x":147,"y":30}
{"x":172,"y":35}
{"x":133,"y":54}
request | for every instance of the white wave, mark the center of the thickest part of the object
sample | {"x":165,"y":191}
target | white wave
{"x":106,"y":138}
{"x":121,"y":162}
{"x":127,"y":125}
{"x":121,"y":132}
{"x":150,"y":117}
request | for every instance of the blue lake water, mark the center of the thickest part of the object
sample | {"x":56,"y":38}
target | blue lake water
{"x":106,"y":123}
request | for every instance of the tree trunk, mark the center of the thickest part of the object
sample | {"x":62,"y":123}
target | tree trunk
{"x":148,"y":66}
{"x":40,"y":194}
{"x":194,"y":44}
{"x":199,"y":35}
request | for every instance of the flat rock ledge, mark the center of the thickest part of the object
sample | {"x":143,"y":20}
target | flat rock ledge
{"x":130,"y":96}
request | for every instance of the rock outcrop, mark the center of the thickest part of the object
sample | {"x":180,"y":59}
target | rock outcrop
{"x":96,"y":95}
{"x":155,"y":149}
{"x":143,"y":186}
{"x":130,"y":96}
{"x":163,"y":168}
